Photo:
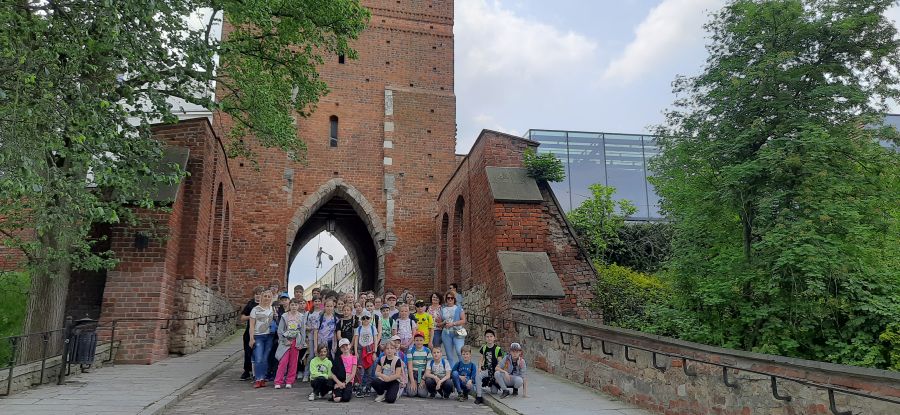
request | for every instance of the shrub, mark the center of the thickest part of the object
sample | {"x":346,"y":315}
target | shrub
{"x":13,"y":295}
{"x":544,"y":167}
{"x":623,"y":295}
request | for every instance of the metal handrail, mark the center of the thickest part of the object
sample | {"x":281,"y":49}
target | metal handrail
{"x":15,"y":341}
{"x":472,"y":318}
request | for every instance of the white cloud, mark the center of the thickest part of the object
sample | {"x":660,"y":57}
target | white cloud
{"x":494,"y":40}
{"x":669,"y":28}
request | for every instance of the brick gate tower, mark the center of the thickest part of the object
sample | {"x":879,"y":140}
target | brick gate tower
{"x":381,"y":145}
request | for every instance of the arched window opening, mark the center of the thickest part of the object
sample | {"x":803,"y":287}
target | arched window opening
{"x":458,"y":227}
{"x":334,"y":130}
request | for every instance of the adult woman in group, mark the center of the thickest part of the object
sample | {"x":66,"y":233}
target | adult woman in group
{"x":435,"y":310}
{"x":454,"y":322}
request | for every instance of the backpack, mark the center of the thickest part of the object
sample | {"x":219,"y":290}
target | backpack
{"x":411,"y":326}
{"x":443,"y":363}
{"x":497,"y":352}
{"x":322,"y":321}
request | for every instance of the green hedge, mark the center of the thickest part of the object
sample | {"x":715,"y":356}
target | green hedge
{"x":624,"y":295}
{"x":13,"y":296}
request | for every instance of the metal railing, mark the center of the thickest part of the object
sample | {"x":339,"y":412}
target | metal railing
{"x":518,"y":326}
{"x":16,"y":359}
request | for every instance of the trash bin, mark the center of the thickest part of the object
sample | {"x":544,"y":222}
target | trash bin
{"x":83,"y":342}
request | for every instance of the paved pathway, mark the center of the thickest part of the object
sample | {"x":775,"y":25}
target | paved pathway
{"x":228,"y":395}
{"x":548,"y":394}
{"x":126,"y":389}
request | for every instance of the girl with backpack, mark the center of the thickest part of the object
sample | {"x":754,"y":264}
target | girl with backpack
{"x":365,"y":346}
{"x":291,"y":338}
{"x":326,"y":331}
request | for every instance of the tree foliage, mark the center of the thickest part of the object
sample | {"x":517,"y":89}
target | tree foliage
{"x":623,"y":295}
{"x":597,"y":220}
{"x":641,"y":246}
{"x":543,"y":167}
{"x":83,"y":81}
{"x":784,"y":205}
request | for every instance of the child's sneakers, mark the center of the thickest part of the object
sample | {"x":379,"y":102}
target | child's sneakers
{"x":288,"y":386}
{"x":259,"y":384}
{"x":380,"y":398}
{"x":306,"y":378}
{"x":515,"y":391}
{"x":479,"y":400}
{"x":312,"y":396}
{"x":504,"y":394}
{"x":277,"y":386}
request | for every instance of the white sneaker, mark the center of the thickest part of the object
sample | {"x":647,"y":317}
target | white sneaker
{"x":379,"y":398}
{"x":288,"y":386}
{"x":306,"y":378}
{"x":277,"y":386}
{"x":312,"y":396}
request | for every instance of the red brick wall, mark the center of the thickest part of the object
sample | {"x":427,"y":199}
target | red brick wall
{"x":407,"y":49}
{"x":489,"y":226}
{"x":144,"y":284}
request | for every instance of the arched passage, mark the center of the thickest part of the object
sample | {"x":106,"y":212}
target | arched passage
{"x":356,"y":226}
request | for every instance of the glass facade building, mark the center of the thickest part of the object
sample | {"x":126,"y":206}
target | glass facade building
{"x":616,"y":160}
{"x":612,"y":159}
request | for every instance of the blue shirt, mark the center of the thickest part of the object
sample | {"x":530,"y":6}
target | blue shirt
{"x":465,"y":369}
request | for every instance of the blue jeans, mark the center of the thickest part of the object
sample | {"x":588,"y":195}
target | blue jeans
{"x":453,"y":346}
{"x":437,"y":338}
{"x":261,"y":355}
{"x":460,"y":386}
{"x":368,"y":375}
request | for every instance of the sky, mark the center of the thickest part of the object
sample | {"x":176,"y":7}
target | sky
{"x":565,"y":64}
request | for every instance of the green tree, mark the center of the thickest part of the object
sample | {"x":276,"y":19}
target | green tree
{"x":76,"y":72}
{"x":598,"y":220}
{"x":784,"y":205}
{"x":544,"y":167}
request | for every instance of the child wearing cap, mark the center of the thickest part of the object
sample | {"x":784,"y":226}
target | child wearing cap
{"x":418,"y":357}
{"x":365,"y":346}
{"x":425,"y":323}
{"x":343,"y":372}
{"x":348,"y":323}
{"x":511,"y":371}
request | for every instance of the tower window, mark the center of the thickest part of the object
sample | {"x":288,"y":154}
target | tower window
{"x":334,"y":130}
{"x":341,"y":59}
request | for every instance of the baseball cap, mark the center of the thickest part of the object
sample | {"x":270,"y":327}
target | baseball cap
{"x":420,"y":303}
{"x":395,"y":337}
{"x":515,"y":346}
{"x":343,"y":342}
{"x":383,"y":306}
{"x":366,"y":313}
{"x":284,"y":295}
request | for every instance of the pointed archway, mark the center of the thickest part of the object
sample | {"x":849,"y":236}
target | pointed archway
{"x":357,"y":227}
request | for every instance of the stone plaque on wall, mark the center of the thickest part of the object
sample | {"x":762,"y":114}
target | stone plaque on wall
{"x":512,"y":184}
{"x":530,"y":275}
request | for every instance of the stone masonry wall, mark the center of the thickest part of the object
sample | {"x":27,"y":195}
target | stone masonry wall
{"x":673,"y":392}
{"x":193,"y":300}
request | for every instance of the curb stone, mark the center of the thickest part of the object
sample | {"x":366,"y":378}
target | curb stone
{"x":497,"y":406}
{"x":166,"y":402}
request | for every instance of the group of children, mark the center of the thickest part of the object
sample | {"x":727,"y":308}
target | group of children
{"x":345,"y":348}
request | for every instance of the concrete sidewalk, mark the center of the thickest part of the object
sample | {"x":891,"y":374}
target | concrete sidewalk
{"x":549,"y":394}
{"x":128,"y":389}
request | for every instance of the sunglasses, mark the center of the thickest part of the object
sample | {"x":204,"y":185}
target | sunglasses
{"x":366,"y":317}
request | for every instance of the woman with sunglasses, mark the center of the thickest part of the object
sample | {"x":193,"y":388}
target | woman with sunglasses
{"x":453,"y":335}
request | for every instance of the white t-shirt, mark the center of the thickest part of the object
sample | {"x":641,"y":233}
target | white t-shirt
{"x":366,"y":335}
{"x":262,"y":319}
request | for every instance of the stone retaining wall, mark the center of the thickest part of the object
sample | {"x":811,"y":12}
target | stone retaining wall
{"x":194,"y":299}
{"x":672,"y":391}
{"x":28,"y":375}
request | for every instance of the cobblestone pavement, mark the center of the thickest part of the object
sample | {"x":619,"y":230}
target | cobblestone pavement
{"x":228,"y":395}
